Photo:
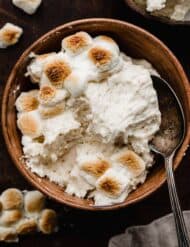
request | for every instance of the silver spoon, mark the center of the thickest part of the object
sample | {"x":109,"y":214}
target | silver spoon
{"x":166,"y":141}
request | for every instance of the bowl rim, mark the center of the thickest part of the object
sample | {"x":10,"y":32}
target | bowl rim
{"x":13,"y":73}
{"x":150,"y":16}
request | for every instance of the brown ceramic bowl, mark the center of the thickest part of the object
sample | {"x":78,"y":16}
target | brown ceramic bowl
{"x":135,"y":42}
{"x":142,"y":10}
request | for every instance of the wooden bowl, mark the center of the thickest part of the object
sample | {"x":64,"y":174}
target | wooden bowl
{"x":142,"y":10}
{"x":135,"y":42}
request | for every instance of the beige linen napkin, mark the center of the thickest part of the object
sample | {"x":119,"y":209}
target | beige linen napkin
{"x":159,"y":233}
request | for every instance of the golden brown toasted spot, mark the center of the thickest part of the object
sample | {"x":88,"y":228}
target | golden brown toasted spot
{"x":96,"y":168}
{"x":40,"y":139}
{"x":27,"y":124}
{"x":8,"y":235}
{"x":100,"y":56}
{"x":26,"y":226}
{"x":29,"y":103}
{"x":57,"y":72}
{"x":110,"y":186}
{"x":1,"y":207}
{"x":47,"y":93}
{"x":52,"y":111}
{"x":10,"y":36}
{"x":132,"y":161}
{"x":34,"y":201}
{"x":11,"y":199}
{"x":11,"y":216}
{"x":76,"y":41}
{"x":48,"y":221}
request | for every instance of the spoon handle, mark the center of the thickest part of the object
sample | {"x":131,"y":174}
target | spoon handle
{"x":182,"y":234}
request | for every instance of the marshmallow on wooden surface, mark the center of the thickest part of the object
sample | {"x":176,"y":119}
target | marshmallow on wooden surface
{"x":27,"y":101}
{"x":33,"y":201}
{"x":10,"y":217}
{"x":26,"y":226}
{"x":11,"y":199}
{"x":48,"y":221}
{"x":9,"y":35}
{"x":8,"y":235}
{"x":76,"y":43}
{"x":28,"y":6}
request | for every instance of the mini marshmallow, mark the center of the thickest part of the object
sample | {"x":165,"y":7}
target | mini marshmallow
{"x":34,"y":201}
{"x":76,"y":83}
{"x":113,"y":182}
{"x":9,"y":35}
{"x":10,"y":217}
{"x":26,"y":226}
{"x":11,"y":199}
{"x":55,"y":71}
{"x":50,"y":96}
{"x":34,"y":69}
{"x":76,"y":43}
{"x":133,"y":162}
{"x":27,"y":101}
{"x":104,"y":54}
{"x":28,"y":6}
{"x":51,"y":111}
{"x":48,"y":221}
{"x":95,"y":168}
{"x":30,"y":124}
{"x":8,"y":235}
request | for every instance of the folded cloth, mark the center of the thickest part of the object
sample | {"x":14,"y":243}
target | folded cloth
{"x":159,"y":233}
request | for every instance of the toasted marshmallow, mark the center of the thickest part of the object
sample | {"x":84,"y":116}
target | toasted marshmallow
{"x":95,"y":168}
{"x":34,"y":201}
{"x":50,"y":96}
{"x":10,"y":217}
{"x":27,"y":101}
{"x":8,"y":235}
{"x":132,"y":161}
{"x":26,"y":226}
{"x":51,"y":111}
{"x":55,"y":71}
{"x":1,"y":207}
{"x":104,"y":54}
{"x":48,"y":221}
{"x":11,"y":199}
{"x":76,"y":83}
{"x":30,"y":124}
{"x":76,"y":43}
{"x":9,"y":35}
{"x":28,"y":6}
{"x":113,"y":182}
{"x":34,"y":69}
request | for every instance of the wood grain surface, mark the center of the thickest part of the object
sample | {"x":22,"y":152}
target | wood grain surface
{"x":79,"y":228}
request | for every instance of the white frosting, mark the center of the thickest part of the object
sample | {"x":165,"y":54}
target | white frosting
{"x":103,"y":106}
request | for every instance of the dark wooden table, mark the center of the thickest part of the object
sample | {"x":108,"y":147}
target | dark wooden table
{"x":79,"y":228}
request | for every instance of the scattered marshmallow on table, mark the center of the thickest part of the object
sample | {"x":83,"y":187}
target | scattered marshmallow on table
{"x":28,"y":6}
{"x":9,"y":35}
{"x":23,"y":212}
